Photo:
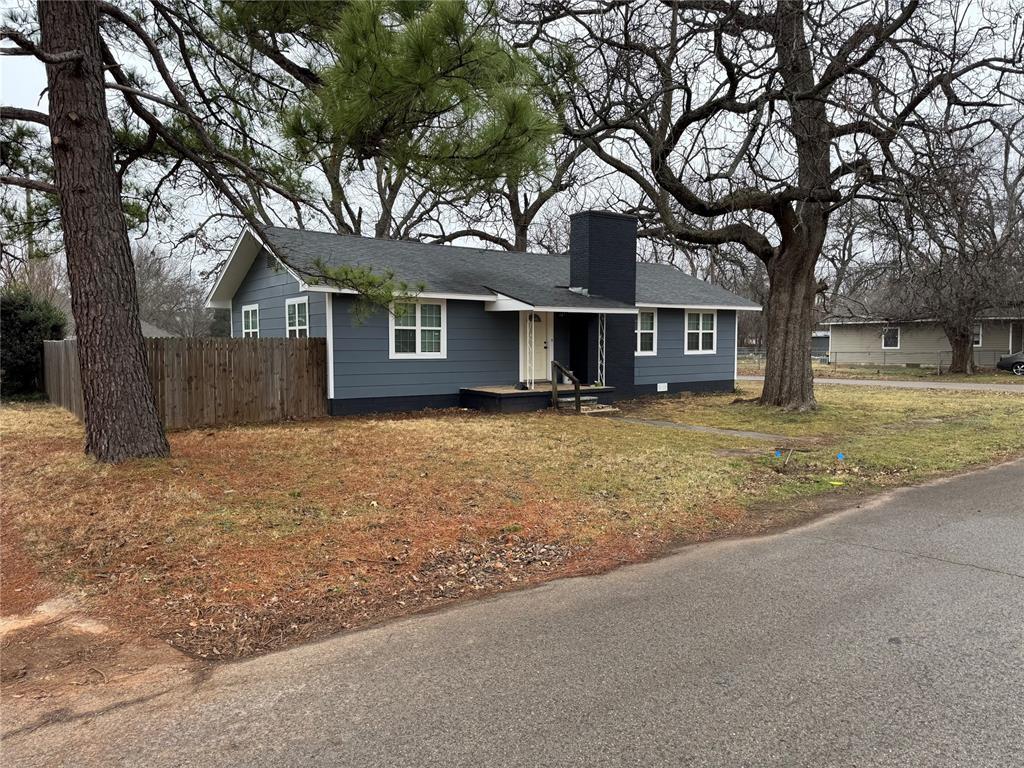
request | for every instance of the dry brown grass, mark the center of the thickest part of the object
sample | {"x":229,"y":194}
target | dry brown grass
{"x":248,"y":539}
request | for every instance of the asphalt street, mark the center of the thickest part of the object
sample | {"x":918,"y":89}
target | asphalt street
{"x":886,"y":635}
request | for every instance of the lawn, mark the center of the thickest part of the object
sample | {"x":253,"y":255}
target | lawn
{"x":250,"y":539}
{"x":892,"y":373}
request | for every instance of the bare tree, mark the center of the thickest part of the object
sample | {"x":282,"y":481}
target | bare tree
{"x":751,"y":123}
{"x":505,"y":215}
{"x":949,"y":235}
{"x":170,"y":295}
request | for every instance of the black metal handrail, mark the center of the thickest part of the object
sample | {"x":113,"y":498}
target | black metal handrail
{"x":555,"y":368}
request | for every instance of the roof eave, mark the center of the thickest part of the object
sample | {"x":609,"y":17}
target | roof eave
{"x":740,"y":308}
{"x":237,"y":264}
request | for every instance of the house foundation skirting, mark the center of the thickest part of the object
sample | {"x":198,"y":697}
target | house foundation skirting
{"x":359,"y":405}
{"x":723,"y":385}
{"x":508,"y":402}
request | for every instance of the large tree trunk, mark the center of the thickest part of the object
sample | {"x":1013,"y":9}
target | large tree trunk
{"x":792,"y":285}
{"x":962,"y":344}
{"x":121,"y":421}
{"x":788,"y":379}
{"x":522,"y":232}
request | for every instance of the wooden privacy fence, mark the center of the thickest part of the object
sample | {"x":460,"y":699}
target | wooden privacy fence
{"x":210,"y":382}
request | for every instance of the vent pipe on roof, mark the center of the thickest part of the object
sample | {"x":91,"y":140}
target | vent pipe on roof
{"x":602,"y":255}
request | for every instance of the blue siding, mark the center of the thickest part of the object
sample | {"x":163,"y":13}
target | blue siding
{"x":483,"y":348}
{"x":269,"y":285}
{"x":672,"y":366}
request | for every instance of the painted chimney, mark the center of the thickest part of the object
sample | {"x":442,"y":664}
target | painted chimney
{"x":602,"y":254}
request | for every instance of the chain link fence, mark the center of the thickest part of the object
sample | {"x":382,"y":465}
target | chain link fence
{"x":753,"y":357}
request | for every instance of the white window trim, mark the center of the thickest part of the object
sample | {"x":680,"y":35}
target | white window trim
{"x":636,"y":345}
{"x":899,"y":336}
{"x":686,"y":332}
{"x":251,"y":308}
{"x":287,"y":328}
{"x":393,"y":355}
{"x":980,"y":327}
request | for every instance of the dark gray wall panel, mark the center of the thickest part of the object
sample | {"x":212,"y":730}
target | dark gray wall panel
{"x":269,"y":285}
{"x":483,"y":348}
{"x":671,"y":365}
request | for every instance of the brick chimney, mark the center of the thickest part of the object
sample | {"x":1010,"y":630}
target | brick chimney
{"x":602,"y":255}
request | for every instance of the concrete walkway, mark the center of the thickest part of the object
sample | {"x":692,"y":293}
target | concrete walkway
{"x":713,"y":430}
{"x":1017,"y":389}
{"x":888,"y":635}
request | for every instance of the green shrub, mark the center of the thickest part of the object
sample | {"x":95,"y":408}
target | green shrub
{"x":25,"y":322}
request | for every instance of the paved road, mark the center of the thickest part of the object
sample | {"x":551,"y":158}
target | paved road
{"x":964,"y":385}
{"x":884,"y":636}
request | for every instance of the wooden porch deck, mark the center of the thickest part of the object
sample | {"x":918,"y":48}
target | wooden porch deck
{"x":505,"y":398}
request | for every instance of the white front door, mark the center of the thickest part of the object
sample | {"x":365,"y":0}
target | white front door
{"x":536,"y":349}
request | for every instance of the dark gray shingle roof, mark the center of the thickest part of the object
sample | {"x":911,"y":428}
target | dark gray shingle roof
{"x":535,"y":278}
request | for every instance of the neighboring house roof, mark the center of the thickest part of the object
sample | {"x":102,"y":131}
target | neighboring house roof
{"x":151,"y":331}
{"x":539,"y":280}
{"x":994,"y":314}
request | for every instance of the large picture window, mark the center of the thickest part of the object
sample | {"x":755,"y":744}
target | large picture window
{"x":647,"y":332}
{"x":251,"y":321}
{"x":891,"y":338}
{"x":701,"y":333}
{"x":297,"y":316}
{"x":418,"y":329}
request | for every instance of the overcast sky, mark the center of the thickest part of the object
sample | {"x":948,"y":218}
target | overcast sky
{"x":22,"y":80}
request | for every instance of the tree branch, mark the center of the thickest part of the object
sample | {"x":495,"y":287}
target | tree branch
{"x":38,"y":186}
{"x":28,"y":48}
{"x":28,"y":115}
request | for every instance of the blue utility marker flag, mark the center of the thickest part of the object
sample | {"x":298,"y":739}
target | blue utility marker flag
{"x":777,"y":453}
{"x":840,"y":456}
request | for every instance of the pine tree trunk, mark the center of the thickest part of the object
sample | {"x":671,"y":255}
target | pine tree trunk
{"x":121,"y":421}
{"x":789,"y":316}
{"x":962,"y":344}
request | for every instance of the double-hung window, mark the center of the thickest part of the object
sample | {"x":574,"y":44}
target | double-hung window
{"x":976,"y":335}
{"x":891,"y":337}
{"x":647,"y":332}
{"x":701,"y":333}
{"x":297,"y":317}
{"x":418,"y":329}
{"x":251,"y":321}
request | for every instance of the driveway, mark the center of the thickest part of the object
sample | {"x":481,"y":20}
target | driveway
{"x":964,"y":385}
{"x":888,"y":635}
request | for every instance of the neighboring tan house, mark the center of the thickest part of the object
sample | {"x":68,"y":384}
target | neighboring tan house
{"x":820,"y":342}
{"x":487,"y":325}
{"x":920,"y":342}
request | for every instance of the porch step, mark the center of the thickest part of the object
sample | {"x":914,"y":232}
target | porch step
{"x":598,"y":410}
{"x":571,"y":401}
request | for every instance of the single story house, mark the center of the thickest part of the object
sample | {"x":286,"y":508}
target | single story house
{"x":484,"y":326}
{"x":920,"y":342}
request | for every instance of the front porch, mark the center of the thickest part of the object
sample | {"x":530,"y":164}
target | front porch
{"x":502,"y":398}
